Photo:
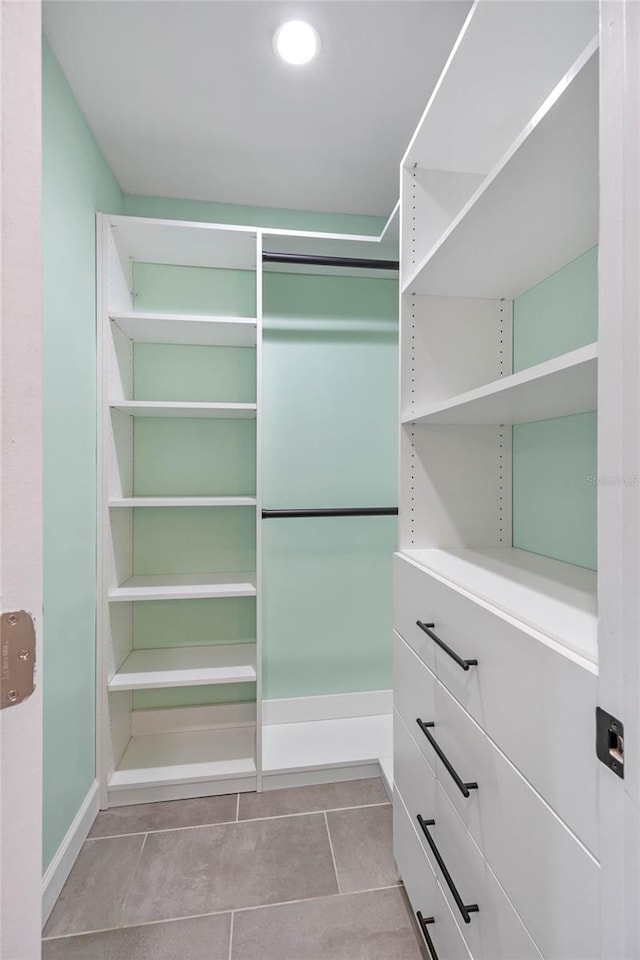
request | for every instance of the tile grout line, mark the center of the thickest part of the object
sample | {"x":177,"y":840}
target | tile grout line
{"x":231,"y":928}
{"x":219,"y":913}
{"x":333,"y":857}
{"x":224,"y":823}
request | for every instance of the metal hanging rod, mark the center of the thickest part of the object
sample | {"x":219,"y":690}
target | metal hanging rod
{"x":334,"y":512}
{"x":308,"y":259}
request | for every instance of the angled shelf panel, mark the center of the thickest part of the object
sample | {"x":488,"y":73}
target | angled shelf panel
{"x":164,"y":408}
{"x":186,"y":667}
{"x":188,"y":757}
{"x":184,"y":243}
{"x":185,"y":587}
{"x":183,"y":502}
{"x":536,"y":211}
{"x":560,"y":387}
{"x":556,"y":599}
{"x":185,"y":329}
{"x":535,"y":43}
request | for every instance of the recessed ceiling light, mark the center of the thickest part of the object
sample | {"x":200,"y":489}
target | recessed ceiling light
{"x":296,"y":42}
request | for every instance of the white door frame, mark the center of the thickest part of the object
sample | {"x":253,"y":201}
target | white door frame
{"x":21,"y":465}
{"x":619,"y":469}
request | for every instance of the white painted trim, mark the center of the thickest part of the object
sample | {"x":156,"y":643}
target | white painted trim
{"x":123,"y":797}
{"x":259,"y":581}
{"x":304,"y":778}
{"x":56,"y":874}
{"x":386,"y":774}
{"x":619,"y":456}
{"x":336,"y":706}
{"x":21,"y":464}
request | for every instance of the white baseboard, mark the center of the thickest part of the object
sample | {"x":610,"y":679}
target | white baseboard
{"x":65,"y":856}
{"x":335,"y":706}
{"x":386,"y":773}
{"x":181,"y":791}
{"x":312,"y":777}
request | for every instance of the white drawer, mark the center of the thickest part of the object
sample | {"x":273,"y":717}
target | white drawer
{"x":535,"y":703}
{"x":535,"y":858}
{"x":409,"y":605}
{"x":413,"y":689}
{"x":495,"y":932}
{"x":423,"y":890}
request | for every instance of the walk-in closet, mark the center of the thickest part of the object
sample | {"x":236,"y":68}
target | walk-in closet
{"x":319,"y":543}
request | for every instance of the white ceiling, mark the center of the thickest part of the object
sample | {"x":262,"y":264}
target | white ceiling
{"x":187,"y":99}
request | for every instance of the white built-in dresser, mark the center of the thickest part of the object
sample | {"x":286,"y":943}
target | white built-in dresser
{"x":495,"y":647}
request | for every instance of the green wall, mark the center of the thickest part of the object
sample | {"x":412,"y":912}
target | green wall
{"x":77,"y":183}
{"x":557,"y":315}
{"x":166,"y":208}
{"x":554,"y":504}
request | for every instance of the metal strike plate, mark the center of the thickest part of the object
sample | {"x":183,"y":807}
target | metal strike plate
{"x":17,"y":657}
{"x":610,"y":741}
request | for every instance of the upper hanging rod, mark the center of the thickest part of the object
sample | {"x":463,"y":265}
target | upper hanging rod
{"x":308,"y":259}
{"x":334,"y":512}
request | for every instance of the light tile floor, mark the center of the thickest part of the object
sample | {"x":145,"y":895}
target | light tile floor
{"x":300,"y":874}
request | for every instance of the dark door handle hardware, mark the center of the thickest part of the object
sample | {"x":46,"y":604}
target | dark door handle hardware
{"x":465,"y":909}
{"x":428,"y":629}
{"x":463,"y":787}
{"x":423,"y":921}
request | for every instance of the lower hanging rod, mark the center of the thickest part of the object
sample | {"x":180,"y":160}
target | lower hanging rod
{"x":334,"y":512}
{"x":308,"y":259}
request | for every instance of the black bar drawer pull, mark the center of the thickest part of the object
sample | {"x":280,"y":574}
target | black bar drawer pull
{"x":428,"y":629}
{"x":465,"y":909}
{"x":463,"y":787}
{"x":423,"y":921}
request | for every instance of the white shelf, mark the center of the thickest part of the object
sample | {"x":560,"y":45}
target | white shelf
{"x":186,"y":667}
{"x":163,"y":408}
{"x":186,"y":329}
{"x":476,"y":108}
{"x":183,"y":502}
{"x":559,"y":387}
{"x":172,"y":758}
{"x":325,"y":744}
{"x":186,"y":243}
{"x":536,"y":211}
{"x":185,"y":587}
{"x":557,"y":600}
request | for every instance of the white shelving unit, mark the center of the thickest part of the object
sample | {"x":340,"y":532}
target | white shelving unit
{"x":162,"y":408}
{"x":149,"y":752}
{"x":186,"y":587}
{"x":184,"y":763}
{"x":543,"y":180}
{"x":558,"y":600}
{"x":187,"y":667}
{"x":194,"y":330}
{"x":164,"y":752}
{"x":499,"y":191}
{"x":183,"y":502}
{"x":559,"y":387}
